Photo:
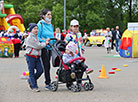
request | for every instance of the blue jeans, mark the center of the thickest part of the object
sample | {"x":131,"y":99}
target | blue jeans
{"x":34,"y":64}
{"x":117,"y":44}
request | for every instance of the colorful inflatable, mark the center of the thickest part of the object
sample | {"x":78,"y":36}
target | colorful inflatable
{"x":129,"y":44}
{"x":13,"y":27}
{"x":9,"y":18}
{"x":6,"y":47}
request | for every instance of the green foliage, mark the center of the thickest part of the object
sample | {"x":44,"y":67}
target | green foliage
{"x":58,"y":16}
{"x":91,"y":14}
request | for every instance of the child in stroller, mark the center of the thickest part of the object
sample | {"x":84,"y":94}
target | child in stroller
{"x":71,"y":69}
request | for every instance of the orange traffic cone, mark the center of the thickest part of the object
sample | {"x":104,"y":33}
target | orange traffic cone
{"x":103,"y":73}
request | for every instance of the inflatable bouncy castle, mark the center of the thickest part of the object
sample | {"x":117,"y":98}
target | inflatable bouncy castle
{"x":129,"y":44}
{"x":6,"y":47}
{"x":8,"y":18}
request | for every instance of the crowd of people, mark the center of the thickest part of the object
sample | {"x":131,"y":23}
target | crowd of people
{"x":112,"y":38}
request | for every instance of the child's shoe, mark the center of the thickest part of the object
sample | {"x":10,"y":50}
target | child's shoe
{"x":88,"y":70}
{"x":73,"y":75}
{"x":36,"y":90}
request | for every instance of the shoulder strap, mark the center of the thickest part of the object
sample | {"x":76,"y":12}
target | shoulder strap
{"x":41,"y":27}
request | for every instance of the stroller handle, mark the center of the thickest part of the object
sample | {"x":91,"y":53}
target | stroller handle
{"x":53,"y":39}
{"x":78,"y":58}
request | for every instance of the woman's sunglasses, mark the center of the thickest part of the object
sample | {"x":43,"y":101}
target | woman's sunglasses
{"x":76,"y":26}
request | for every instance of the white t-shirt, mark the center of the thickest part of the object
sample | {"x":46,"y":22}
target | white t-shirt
{"x":117,"y":35}
{"x":58,"y":36}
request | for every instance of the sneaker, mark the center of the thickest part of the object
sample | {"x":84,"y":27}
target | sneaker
{"x":73,"y":75}
{"x":88,"y":70}
{"x":30,"y":86}
{"x":48,"y":87}
{"x":36,"y":90}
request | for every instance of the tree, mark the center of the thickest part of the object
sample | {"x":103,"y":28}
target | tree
{"x":91,"y":14}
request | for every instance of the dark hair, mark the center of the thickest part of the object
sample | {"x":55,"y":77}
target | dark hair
{"x":43,"y":12}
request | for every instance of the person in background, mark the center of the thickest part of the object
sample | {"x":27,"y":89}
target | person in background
{"x":85,"y":31}
{"x":93,"y":32}
{"x":58,"y":34}
{"x":33,"y":53}
{"x":25,"y":35}
{"x":2,"y":33}
{"x":84,"y":37}
{"x":112,"y":44}
{"x":63,"y":34}
{"x":17,"y":45}
{"x":117,"y":36}
{"x":108,"y":38}
{"x":20,"y":34}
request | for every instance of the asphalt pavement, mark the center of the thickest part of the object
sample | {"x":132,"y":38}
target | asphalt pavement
{"x":119,"y":87}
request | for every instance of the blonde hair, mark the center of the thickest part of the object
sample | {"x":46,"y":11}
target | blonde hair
{"x":57,"y":30}
{"x":107,"y":28}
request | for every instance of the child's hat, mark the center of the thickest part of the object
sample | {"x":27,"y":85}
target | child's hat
{"x":31,"y":26}
{"x":71,"y":46}
{"x":74,"y":22}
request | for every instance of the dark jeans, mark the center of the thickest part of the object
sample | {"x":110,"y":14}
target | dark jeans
{"x":112,"y":44}
{"x":46,"y":56}
{"x":34,"y":64}
{"x":117,"y":44}
{"x":17,"y":49}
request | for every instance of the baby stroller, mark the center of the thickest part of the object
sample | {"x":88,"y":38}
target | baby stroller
{"x":65,"y":69}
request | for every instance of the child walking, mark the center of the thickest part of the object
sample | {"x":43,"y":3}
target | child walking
{"x":33,"y":53}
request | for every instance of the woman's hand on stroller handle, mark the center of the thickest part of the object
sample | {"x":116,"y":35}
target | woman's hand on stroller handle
{"x":53,"y":39}
{"x":47,"y":41}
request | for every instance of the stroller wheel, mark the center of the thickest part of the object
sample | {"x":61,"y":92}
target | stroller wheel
{"x":91,"y":86}
{"x":74,"y":88}
{"x":54,"y":86}
{"x":79,"y":87}
{"x":86,"y":86}
{"x":68,"y":85}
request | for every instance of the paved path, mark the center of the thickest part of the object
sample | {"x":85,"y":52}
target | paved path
{"x":121,"y":87}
